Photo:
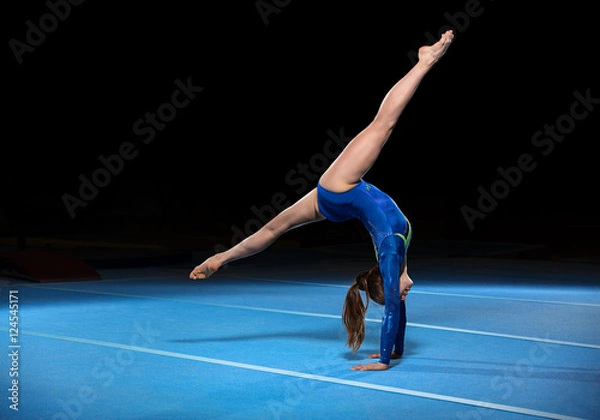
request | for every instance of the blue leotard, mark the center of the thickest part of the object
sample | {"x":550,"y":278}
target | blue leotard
{"x":391,"y":233}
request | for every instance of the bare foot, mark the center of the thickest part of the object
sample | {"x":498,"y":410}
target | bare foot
{"x":432,"y":53}
{"x":206,"y":269}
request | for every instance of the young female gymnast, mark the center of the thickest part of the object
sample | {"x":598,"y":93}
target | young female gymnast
{"x":341,"y":194}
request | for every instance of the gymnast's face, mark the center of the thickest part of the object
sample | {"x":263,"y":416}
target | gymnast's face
{"x":405,"y":285}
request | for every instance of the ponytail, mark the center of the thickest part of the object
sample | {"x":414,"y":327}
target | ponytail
{"x":354,"y":310}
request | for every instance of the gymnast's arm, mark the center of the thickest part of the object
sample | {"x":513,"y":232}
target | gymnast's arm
{"x":390,"y":261}
{"x":302,"y":212}
{"x":390,"y":257}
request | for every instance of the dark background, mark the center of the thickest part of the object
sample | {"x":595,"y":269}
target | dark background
{"x":273,"y":86}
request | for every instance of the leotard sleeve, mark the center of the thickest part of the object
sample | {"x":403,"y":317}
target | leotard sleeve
{"x":391,"y":256}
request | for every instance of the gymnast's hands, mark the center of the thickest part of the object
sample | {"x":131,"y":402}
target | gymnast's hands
{"x":370,"y":366}
{"x":375,"y":366}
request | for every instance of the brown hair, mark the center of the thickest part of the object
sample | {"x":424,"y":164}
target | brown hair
{"x":354,"y":310}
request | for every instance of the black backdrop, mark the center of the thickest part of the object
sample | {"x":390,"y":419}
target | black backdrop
{"x":267,"y":92}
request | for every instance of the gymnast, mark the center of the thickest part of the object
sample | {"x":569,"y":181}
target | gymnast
{"x":342,"y":194}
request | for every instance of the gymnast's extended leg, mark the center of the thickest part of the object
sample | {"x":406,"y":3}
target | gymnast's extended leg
{"x":304,"y":211}
{"x":362,"y":152}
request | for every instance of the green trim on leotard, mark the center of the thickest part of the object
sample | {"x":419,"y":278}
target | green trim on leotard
{"x":406,"y":239}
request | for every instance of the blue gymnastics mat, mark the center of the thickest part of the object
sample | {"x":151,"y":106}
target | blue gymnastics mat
{"x":263,"y":339}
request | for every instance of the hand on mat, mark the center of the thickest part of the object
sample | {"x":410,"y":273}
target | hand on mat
{"x":371,"y":366}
